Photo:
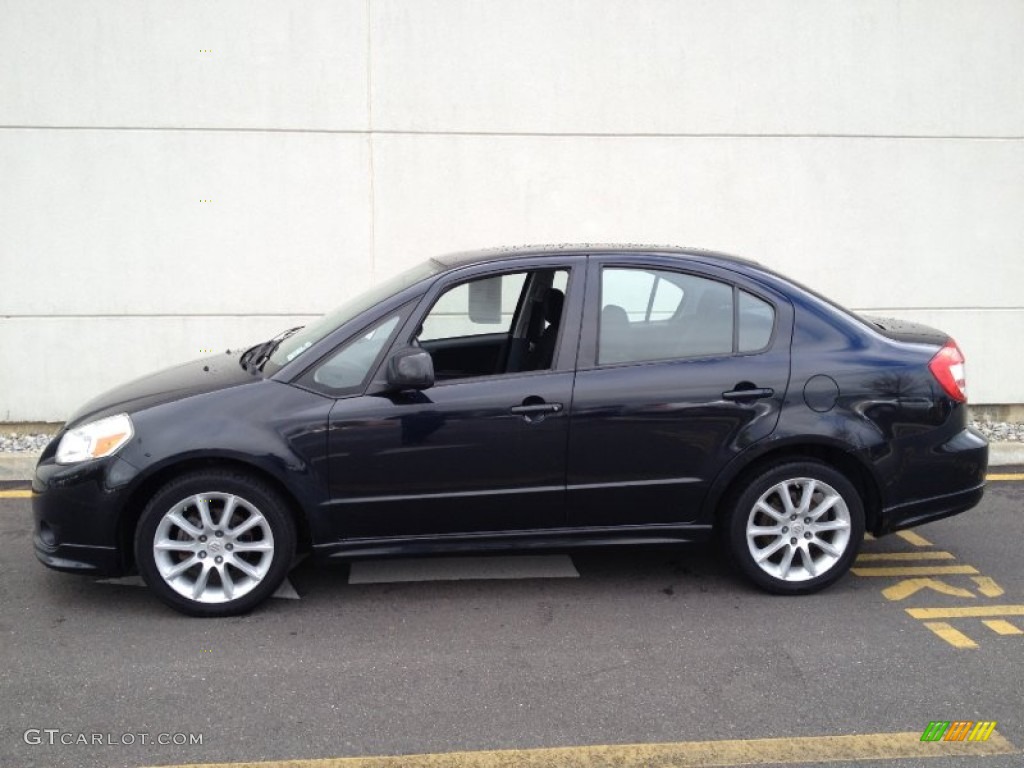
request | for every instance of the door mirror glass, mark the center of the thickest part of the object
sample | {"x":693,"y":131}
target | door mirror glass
{"x":410,"y":368}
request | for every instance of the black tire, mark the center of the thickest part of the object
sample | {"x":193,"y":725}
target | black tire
{"x":758,"y":504}
{"x":242,"y":569}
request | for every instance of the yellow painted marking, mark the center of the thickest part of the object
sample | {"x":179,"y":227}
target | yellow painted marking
{"x":914,"y":538}
{"x":982,"y":731}
{"x":915,"y":570}
{"x":874,"y":557}
{"x":1002,"y":627}
{"x":807,"y":750}
{"x":958,"y":731}
{"x":19,"y":494}
{"x":908,"y":587}
{"x":1006,"y":476}
{"x":951,"y":634}
{"x":966,"y":612}
{"x":869,"y":537}
{"x":987,"y":586}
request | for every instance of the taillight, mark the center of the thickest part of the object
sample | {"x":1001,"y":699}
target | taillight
{"x":948,"y":369}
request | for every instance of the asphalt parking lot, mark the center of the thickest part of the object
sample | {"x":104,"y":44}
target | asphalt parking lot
{"x":658,"y":646}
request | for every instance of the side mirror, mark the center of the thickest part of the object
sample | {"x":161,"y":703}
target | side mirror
{"x":410,"y":368}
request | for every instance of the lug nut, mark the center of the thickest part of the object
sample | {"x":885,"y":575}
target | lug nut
{"x":793,"y":540}
{"x":202,"y":538}
{"x":807,"y":520}
{"x":807,"y":535}
{"x":219,"y":560}
{"x":229,"y":547}
{"x":219,"y":534}
{"x":785,"y":529}
{"x":792,"y":517}
{"x":202,"y":555}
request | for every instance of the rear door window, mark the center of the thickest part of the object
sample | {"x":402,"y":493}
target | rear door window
{"x":650,"y":314}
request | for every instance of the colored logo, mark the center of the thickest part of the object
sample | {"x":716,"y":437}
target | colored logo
{"x":958,"y":730}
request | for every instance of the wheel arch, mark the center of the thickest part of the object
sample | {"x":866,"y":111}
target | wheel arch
{"x":152,"y":482}
{"x":849,"y":464}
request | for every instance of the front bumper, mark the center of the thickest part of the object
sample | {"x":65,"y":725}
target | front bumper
{"x":76,"y":511}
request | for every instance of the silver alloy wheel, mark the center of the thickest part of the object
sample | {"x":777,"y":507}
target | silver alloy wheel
{"x":213,"y":547}
{"x":798,"y":529}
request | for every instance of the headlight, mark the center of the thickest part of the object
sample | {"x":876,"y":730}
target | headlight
{"x":95,"y":439}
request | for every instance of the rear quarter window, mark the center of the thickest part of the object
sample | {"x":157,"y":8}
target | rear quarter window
{"x":756,"y":322}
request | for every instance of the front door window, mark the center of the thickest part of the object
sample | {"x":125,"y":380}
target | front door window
{"x":495,"y":325}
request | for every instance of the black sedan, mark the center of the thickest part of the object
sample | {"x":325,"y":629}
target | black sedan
{"x":521,"y":398}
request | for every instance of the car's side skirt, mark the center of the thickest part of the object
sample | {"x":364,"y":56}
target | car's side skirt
{"x":548,"y":538}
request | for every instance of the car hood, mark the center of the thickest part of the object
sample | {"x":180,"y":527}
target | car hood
{"x":186,"y":380}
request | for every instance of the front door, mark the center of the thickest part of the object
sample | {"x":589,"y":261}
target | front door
{"x":483,"y":450}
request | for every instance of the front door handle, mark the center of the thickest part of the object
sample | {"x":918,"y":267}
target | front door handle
{"x":536,"y":409}
{"x":754,"y":393}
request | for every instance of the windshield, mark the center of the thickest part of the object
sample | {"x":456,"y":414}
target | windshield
{"x":294,"y":345}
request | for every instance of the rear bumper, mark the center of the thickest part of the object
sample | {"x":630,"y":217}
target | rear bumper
{"x":956,"y":468}
{"x":927,"y":510}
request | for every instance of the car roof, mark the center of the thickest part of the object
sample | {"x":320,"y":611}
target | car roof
{"x":464,"y":258}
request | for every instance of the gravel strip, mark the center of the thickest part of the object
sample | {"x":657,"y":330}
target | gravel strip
{"x":12,"y":442}
{"x":1000,"y":431}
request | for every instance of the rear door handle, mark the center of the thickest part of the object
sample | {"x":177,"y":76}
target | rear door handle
{"x":536,"y":409}
{"x":755,"y":393}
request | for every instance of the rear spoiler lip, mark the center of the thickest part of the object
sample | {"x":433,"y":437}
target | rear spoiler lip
{"x":906,"y":330}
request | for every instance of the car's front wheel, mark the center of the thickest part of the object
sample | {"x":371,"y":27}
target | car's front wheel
{"x":796,"y":528}
{"x":214,"y":543}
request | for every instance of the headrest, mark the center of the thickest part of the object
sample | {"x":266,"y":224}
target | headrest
{"x":553,"y":303}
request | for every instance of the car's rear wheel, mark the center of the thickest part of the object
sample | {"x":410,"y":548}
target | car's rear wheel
{"x":796,"y":528}
{"x":214,"y":543}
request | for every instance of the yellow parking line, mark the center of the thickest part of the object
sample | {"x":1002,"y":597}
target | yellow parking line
{"x":686,"y":754}
{"x":1002,"y":627}
{"x":914,"y":538}
{"x":967,"y":612}
{"x":18,"y":494}
{"x":987,"y":586}
{"x":1006,"y":476}
{"x":873,"y":557}
{"x":951,"y":634}
{"x":904,"y":588}
{"x":915,"y":570}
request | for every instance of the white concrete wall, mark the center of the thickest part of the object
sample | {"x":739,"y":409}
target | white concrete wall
{"x":872,"y":149}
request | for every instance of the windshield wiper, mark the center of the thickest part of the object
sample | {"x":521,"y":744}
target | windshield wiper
{"x":256,"y":355}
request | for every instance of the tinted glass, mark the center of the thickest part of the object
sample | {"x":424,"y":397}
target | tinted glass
{"x":757,"y":319}
{"x":649,"y":314}
{"x":348,"y":368}
{"x":298,"y":343}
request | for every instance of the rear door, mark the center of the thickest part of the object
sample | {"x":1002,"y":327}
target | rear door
{"x":680,"y":370}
